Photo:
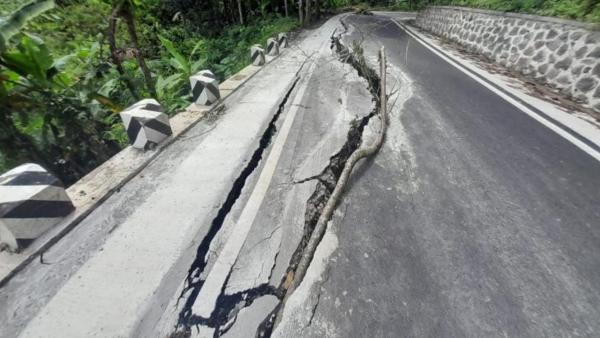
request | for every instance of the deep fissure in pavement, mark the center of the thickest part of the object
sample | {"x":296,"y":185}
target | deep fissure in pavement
{"x":194,"y":283}
{"x":228,"y":306}
{"x":326,"y":182}
{"x":328,"y":178}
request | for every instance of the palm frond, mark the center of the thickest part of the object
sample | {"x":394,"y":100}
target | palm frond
{"x":15,"y":22}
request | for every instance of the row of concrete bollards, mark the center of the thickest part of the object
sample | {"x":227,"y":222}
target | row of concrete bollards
{"x":32,"y":200}
{"x":257,"y":53}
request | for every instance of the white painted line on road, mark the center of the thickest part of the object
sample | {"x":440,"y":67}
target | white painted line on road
{"x":207,"y":299}
{"x":545,"y":120}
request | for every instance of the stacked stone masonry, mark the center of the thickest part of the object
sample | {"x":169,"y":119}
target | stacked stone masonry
{"x":560,"y":53}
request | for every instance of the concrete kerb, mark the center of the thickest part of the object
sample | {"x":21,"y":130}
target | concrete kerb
{"x":93,"y":189}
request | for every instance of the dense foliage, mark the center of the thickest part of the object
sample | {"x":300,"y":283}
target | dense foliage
{"x":67,"y":69}
{"x":584,"y":10}
{"x":587,"y":10}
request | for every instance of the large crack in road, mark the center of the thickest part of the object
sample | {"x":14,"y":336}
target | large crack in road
{"x":194,"y":282}
{"x":228,"y":306}
{"x":328,"y":178}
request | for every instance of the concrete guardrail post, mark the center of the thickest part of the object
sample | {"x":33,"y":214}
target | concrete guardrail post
{"x":205,"y":88}
{"x":257,"y":54}
{"x":272,"y":47}
{"x":283,"y":40}
{"x":32,"y":201}
{"x":146,"y":124}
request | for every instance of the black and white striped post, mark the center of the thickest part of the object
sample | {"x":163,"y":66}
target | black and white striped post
{"x":205,"y":88}
{"x":257,"y":54}
{"x":272,"y":47}
{"x":32,"y":200}
{"x":283,"y":40}
{"x":146,"y":124}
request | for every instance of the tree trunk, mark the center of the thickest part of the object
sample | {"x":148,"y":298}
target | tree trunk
{"x":127,"y":14}
{"x":301,"y":12}
{"x":307,"y":15}
{"x":285,"y":7}
{"x":239,"y":3}
{"x":114,"y":53}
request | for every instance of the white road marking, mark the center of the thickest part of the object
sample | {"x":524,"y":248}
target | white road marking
{"x":589,"y":132}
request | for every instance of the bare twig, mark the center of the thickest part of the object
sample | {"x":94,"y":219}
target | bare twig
{"x":114,"y":51}
{"x":127,"y":15}
{"x":359,"y":154}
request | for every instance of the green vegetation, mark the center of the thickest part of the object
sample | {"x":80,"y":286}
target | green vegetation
{"x":583,"y":10}
{"x":67,"y":69}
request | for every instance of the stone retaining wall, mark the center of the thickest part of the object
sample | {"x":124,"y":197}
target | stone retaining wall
{"x":560,"y":53}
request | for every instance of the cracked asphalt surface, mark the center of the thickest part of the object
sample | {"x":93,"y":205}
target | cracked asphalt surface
{"x":474,"y":220}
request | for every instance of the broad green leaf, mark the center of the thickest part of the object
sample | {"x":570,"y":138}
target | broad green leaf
{"x":164,"y":85}
{"x":18,"y":63}
{"x":179,"y":66}
{"x":182,"y":61}
{"x":198,"y":45}
{"x":39,"y":56}
{"x":108,"y":87}
{"x":196,"y":66}
{"x":18,"y":19}
{"x":61,"y":63}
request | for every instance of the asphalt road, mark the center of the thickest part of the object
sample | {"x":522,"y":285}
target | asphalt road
{"x":474,"y":220}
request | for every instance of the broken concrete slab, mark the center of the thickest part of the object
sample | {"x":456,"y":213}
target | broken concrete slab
{"x":251,"y":316}
{"x":336,"y":96}
{"x":186,"y":188}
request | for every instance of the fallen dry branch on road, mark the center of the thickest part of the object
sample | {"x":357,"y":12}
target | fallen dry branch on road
{"x":378,"y":89}
{"x":361,"y":153}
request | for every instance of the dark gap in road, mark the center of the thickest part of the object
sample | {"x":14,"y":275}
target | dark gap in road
{"x":326,"y":182}
{"x":193,"y":281}
{"x":328,"y":178}
{"x":356,"y":59}
{"x":228,"y":307}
